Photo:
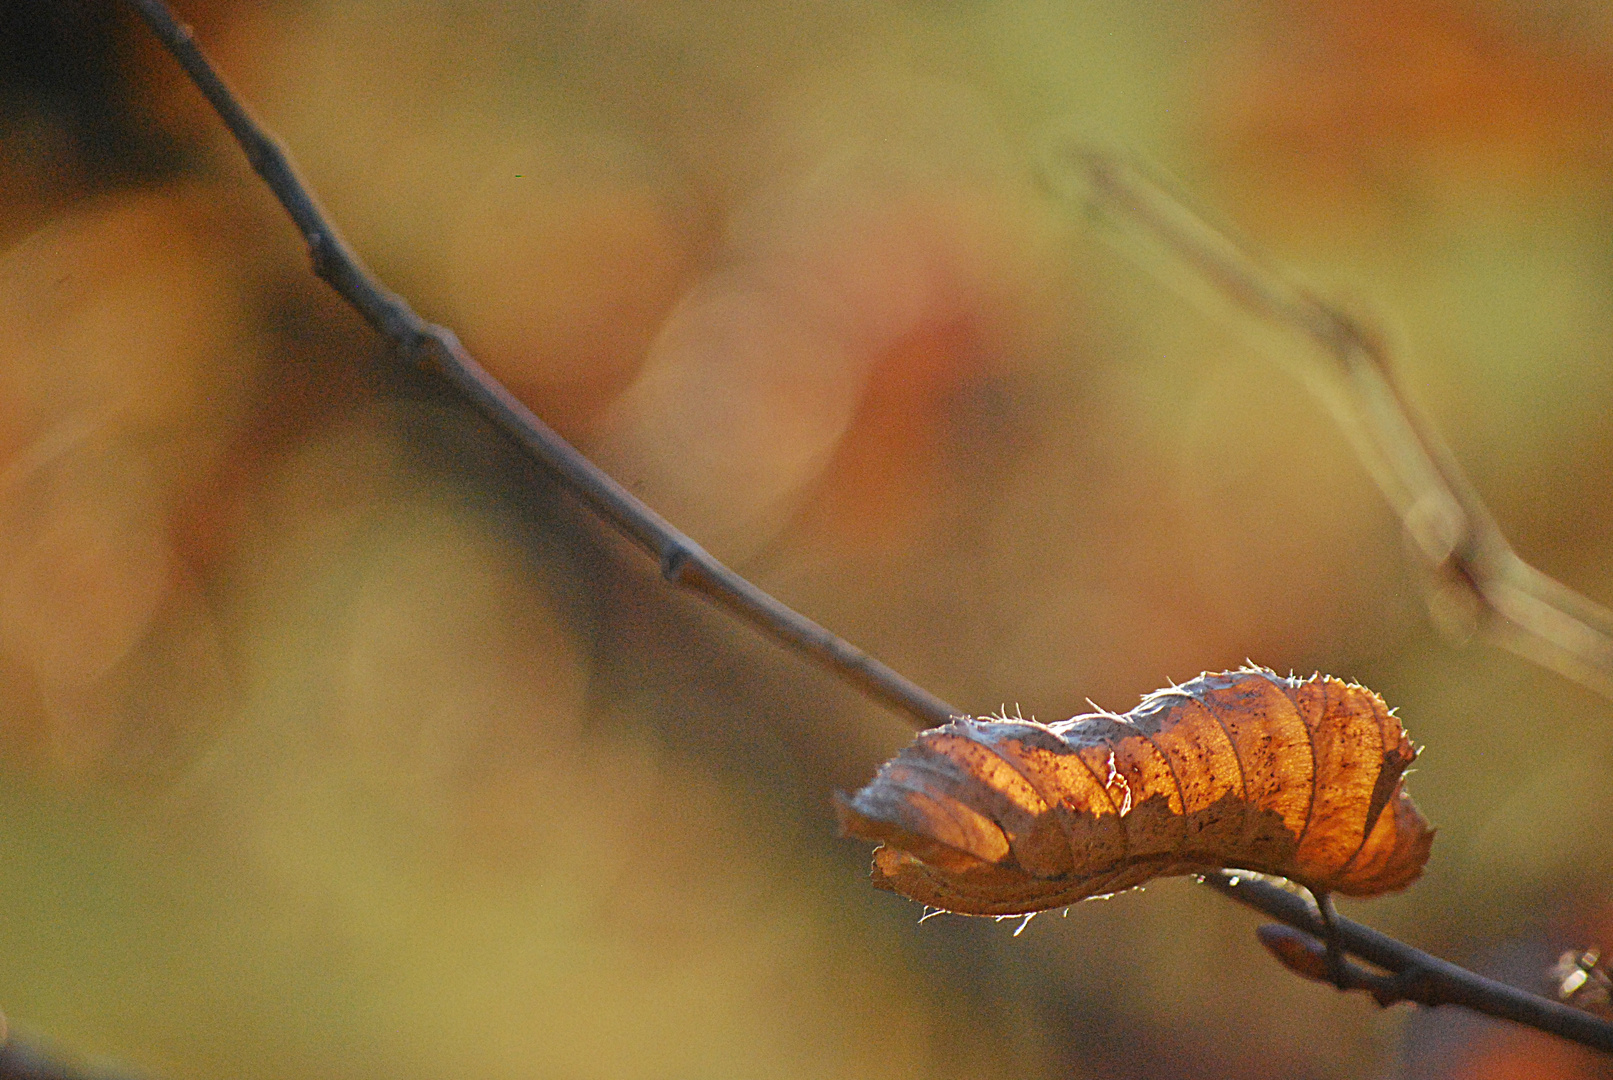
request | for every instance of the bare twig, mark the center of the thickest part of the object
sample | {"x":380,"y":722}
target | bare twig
{"x":1415,"y":976}
{"x":682,"y":561}
{"x":1478,"y":577}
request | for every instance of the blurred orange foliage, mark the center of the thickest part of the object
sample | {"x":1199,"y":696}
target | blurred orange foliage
{"x":1340,"y":98}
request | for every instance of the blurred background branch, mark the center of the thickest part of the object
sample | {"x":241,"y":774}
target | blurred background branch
{"x":1477,"y":579}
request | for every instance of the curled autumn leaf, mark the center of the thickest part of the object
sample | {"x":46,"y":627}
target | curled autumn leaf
{"x":1300,"y":778}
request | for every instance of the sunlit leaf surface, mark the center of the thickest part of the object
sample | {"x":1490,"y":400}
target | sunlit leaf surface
{"x":1246,"y":769}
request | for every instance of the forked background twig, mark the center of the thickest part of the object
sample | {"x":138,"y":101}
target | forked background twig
{"x":1448,"y":523}
{"x":1477,"y":577}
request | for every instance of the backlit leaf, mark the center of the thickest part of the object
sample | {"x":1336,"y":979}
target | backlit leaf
{"x":1296,"y":777}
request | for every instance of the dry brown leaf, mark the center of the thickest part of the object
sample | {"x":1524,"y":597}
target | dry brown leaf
{"x":1296,"y":777}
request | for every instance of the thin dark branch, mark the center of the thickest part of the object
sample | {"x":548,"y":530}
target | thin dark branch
{"x":1415,"y":976}
{"x":684,"y":563}
{"x":1478,"y":578}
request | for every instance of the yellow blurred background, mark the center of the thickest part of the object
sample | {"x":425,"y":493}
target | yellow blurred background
{"x":337,"y":743}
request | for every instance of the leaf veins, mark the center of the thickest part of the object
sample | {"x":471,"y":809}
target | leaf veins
{"x":1300,"y":778}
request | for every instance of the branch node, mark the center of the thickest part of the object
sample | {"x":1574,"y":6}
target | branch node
{"x":1305,"y":956}
{"x":1302,"y":954}
{"x":1294,"y":950}
{"x":673,"y":560}
{"x":1415,"y":984}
